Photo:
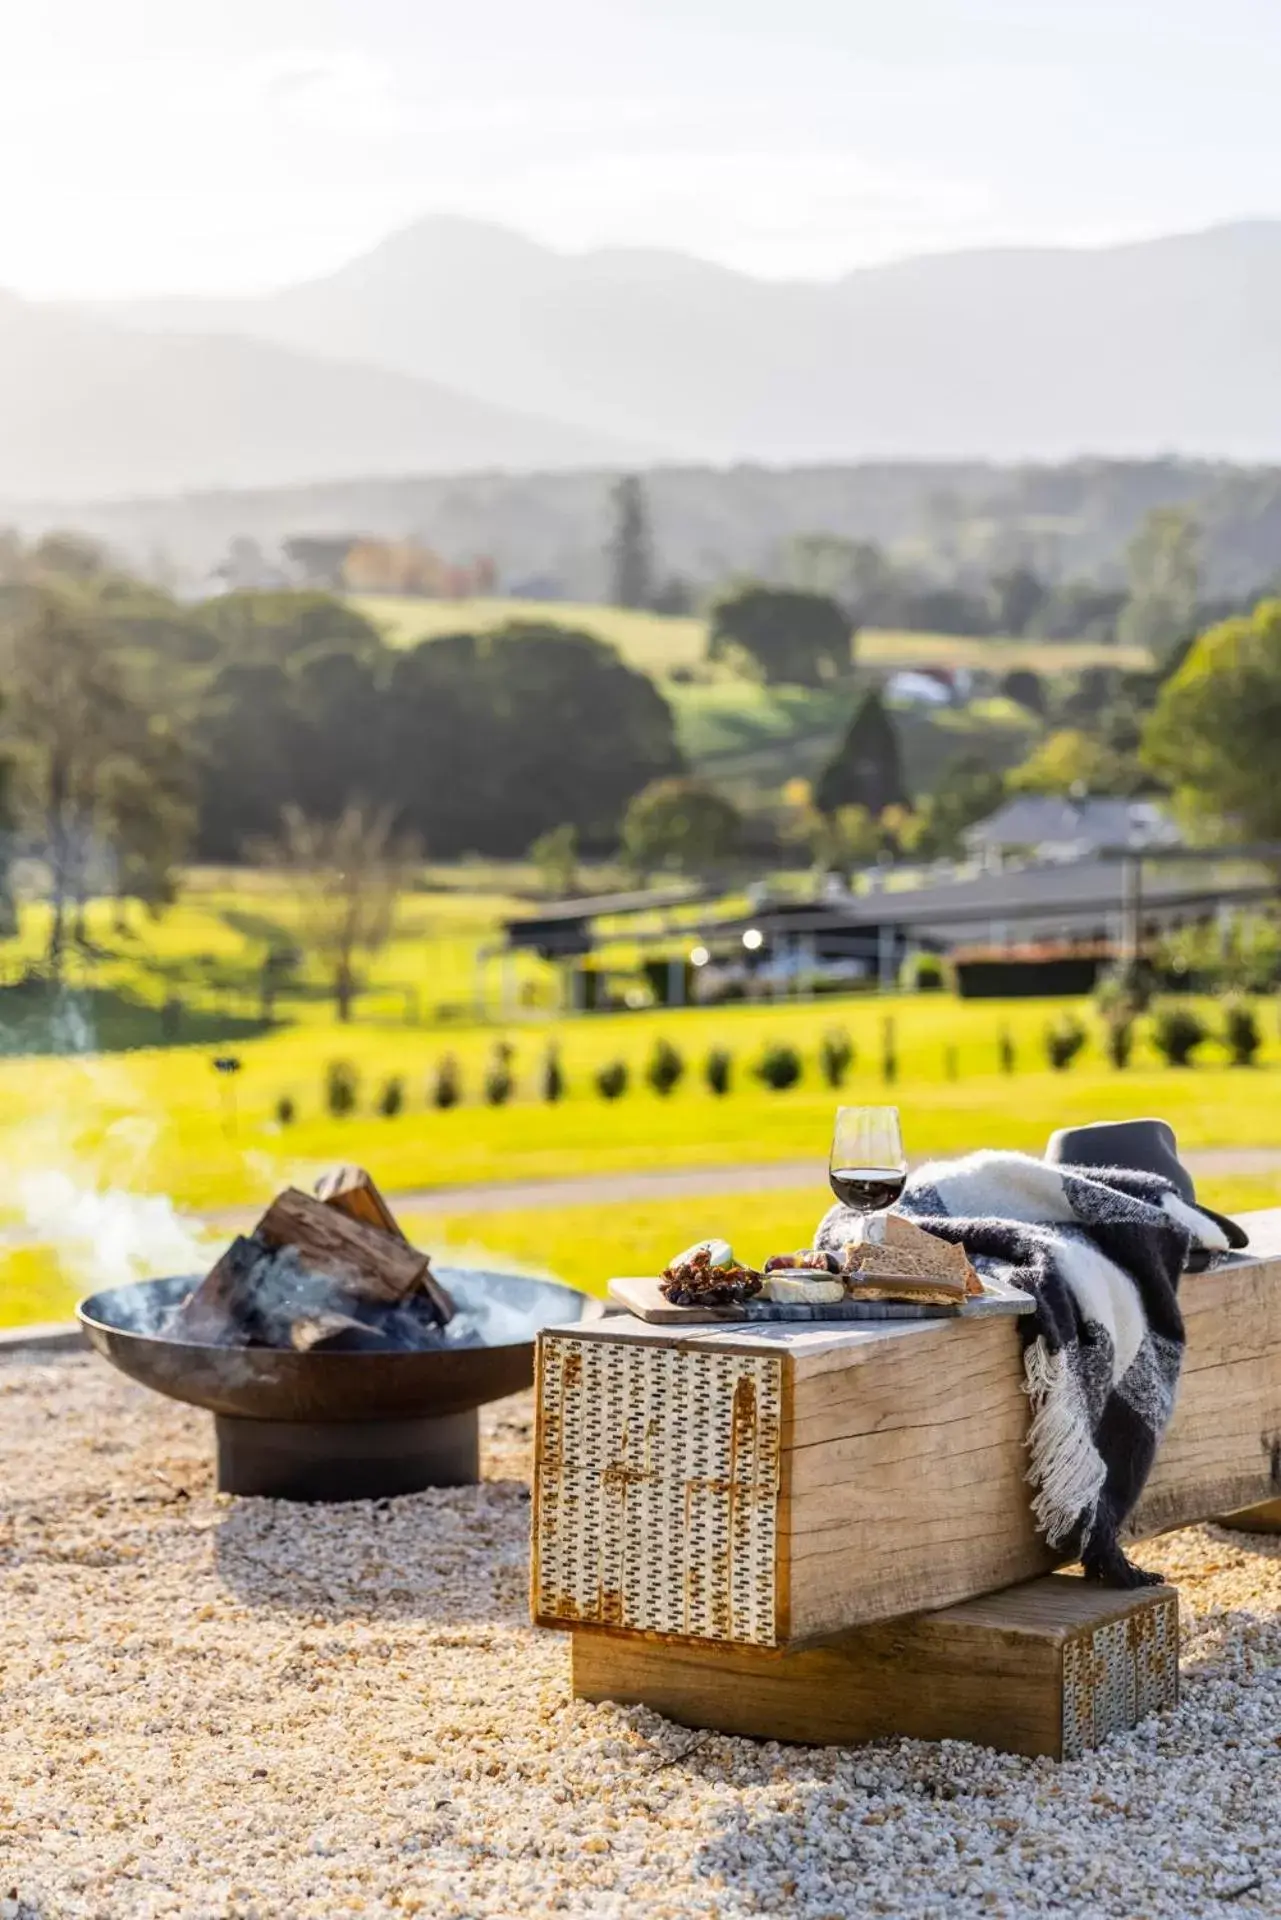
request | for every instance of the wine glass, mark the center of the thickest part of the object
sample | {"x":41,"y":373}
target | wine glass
{"x":868,"y":1167}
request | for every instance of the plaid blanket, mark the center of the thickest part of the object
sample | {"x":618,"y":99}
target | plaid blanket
{"x":1101,"y":1252}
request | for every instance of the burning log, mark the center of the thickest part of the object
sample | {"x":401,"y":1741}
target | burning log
{"x":338,"y":1333}
{"x":351,"y":1191}
{"x":366,"y":1262}
{"x":315,"y":1277}
{"x":224,"y":1310}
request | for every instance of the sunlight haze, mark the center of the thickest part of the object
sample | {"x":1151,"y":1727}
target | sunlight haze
{"x":185,"y":148}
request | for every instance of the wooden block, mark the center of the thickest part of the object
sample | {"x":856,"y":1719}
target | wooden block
{"x":1261,"y":1519}
{"x":1052,"y":1667}
{"x":772,"y":1487}
{"x":351,"y":1191}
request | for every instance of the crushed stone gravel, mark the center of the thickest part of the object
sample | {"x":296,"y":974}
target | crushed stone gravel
{"x":245,"y":1710}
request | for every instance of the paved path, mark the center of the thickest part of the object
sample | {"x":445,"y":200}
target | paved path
{"x":676,"y":1183}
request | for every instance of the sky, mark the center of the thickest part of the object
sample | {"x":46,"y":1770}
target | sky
{"x":224,"y":146}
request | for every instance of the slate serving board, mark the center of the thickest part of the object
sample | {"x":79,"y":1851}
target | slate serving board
{"x":643,"y":1296}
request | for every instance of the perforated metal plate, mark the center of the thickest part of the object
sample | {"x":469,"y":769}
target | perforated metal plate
{"x":1119,"y":1672}
{"x":656,"y":1489}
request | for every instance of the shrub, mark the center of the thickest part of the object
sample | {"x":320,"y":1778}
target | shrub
{"x":835,"y":1056}
{"x":922,"y":973}
{"x":1127,"y":988}
{"x":1241,"y":1034}
{"x":342,"y":1088}
{"x":889,"y":1052}
{"x":1064,"y":1039}
{"x":446,"y":1089}
{"x":666,"y":1068}
{"x":611,"y":1080}
{"x":552,"y":1077}
{"x":392,"y":1097}
{"x":1006,"y":1056}
{"x":717,"y":1069}
{"x":1177,"y":1032}
{"x":1118,"y":1038}
{"x":499,"y":1084}
{"x":286,"y":1112}
{"x":779,"y":1067}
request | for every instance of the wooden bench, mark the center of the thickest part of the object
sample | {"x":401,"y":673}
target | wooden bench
{"x":775,"y":1488}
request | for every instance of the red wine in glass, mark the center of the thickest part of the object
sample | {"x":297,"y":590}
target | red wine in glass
{"x":867,"y":1189}
{"x":867,"y":1168}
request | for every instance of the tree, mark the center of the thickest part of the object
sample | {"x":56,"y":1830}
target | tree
{"x":788,"y":636}
{"x":1024,"y":687}
{"x":555,"y":854}
{"x":8,"y":913}
{"x":631,"y":557}
{"x":842,"y":841}
{"x":680,"y":824}
{"x":866,"y":770}
{"x":148,"y":804}
{"x":1213,"y":734}
{"x":346,"y":877}
{"x":1018,"y":596}
{"x":64,"y":557}
{"x":77,"y":730}
{"x":280,"y":625}
{"x":491,"y":739}
{"x":968,"y":790}
{"x":1071,"y":762}
{"x":1164,"y":583}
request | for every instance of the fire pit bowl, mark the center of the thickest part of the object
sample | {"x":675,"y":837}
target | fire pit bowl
{"x":338,"y":1426}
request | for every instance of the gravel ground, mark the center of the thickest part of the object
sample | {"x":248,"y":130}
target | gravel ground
{"x":240,"y":1709}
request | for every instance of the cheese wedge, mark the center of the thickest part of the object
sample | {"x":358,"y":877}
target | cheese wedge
{"x":804,"y":1289}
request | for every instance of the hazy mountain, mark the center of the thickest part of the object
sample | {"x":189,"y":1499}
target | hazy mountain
{"x":1168,"y":345}
{"x":90,"y":407}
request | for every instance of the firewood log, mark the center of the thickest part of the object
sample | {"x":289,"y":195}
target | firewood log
{"x":222,"y":1311}
{"x":351,"y":1191}
{"x":364,"y":1261}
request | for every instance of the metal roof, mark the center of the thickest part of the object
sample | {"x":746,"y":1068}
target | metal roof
{"x":1036,"y":820}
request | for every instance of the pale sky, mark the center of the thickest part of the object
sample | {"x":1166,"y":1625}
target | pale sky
{"x":167,"y":146}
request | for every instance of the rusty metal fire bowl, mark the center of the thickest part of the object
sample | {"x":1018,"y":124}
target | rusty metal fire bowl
{"x":333,"y":1425}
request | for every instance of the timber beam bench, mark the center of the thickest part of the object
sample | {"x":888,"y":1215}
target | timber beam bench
{"x":713,"y":1504}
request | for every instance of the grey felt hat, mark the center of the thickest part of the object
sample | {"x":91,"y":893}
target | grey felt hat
{"x":1144,"y":1146}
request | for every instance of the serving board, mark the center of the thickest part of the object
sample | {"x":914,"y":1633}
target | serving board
{"x":643,"y":1296}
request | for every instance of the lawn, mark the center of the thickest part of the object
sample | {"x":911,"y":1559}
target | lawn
{"x":159,"y":1122}
{"x":94,"y":1142}
{"x":658,"y":642}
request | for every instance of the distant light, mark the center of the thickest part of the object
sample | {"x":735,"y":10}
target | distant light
{"x":699,"y":957}
{"x":753,"y":939}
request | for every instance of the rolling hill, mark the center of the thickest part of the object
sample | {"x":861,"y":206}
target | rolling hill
{"x":90,"y":407}
{"x":1171,"y":344}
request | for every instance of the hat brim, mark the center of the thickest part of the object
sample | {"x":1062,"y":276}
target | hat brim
{"x":1237,"y":1235}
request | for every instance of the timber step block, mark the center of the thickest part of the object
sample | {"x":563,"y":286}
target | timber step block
{"x":1265,"y":1518}
{"x":775,"y":1486}
{"x":1050,"y":1667}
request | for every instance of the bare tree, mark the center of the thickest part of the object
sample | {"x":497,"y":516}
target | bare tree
{"x":346,"y":877}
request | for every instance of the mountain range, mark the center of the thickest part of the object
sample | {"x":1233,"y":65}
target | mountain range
{"x":460,"y":346}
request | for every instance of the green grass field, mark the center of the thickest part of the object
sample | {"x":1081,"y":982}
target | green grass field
{"x":658,"y":642}
{"x":115,"y":1116}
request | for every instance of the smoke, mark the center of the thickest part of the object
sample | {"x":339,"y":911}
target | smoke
{"x":107,"y":1237}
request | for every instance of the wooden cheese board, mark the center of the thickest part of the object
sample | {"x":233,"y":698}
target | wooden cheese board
{"x":643,"y":1296}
